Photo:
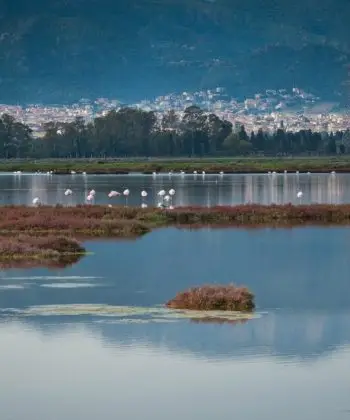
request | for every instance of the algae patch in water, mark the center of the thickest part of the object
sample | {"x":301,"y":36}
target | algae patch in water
{"x":12,"y":287}
{"x":134,"y":321}
{"x":156,"y":314}
{"x":69,"y":285}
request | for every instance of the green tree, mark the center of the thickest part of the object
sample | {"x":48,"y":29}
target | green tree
{"x":15,"y":138}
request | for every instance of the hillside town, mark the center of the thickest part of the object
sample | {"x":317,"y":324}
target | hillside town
{"x":292,"y":110}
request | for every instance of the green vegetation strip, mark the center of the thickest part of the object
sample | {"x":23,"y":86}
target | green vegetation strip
{"x":209,"y":165}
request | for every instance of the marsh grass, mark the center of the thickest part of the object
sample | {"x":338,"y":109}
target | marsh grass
{"x":256,"y":214}
{"x":214,"y":298}
{"x":119,"y":221}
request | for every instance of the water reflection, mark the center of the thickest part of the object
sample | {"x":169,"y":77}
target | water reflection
{"x":284,"y":336}
{"x":208,"y":190}
{"x":292,"y":362}
{"x":303,"y":299}
{"x":75,"y":374}
{"x":63,"y":261}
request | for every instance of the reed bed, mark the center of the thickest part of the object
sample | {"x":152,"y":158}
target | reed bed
{"x":214,"y":298}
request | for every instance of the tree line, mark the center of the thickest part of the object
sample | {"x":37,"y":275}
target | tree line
{"x":135,"y":132}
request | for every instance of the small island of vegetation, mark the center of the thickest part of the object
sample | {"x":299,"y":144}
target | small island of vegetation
{"x":23,"y":250}
{"x":214,"y":298}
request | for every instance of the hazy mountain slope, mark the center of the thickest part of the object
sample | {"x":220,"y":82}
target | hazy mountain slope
{"x":62,"y":50}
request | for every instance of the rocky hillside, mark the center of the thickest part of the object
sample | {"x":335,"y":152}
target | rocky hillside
{"x":66,"y":49}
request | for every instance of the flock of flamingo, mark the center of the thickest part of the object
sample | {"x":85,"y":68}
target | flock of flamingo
{"x":166,"y":198}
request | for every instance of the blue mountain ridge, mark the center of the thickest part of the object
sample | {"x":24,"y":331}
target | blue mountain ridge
{"x":61,"y":51}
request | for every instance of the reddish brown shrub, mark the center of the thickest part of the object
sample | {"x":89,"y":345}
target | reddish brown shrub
{"x":22,"y":247}
{"x":224,"y":298}
{"x":102,"y":221}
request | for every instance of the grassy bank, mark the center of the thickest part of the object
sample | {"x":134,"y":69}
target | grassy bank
{"x":209,"y":165}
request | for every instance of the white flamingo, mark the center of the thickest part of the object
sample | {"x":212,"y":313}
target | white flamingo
{"x":143,"y":195}
{"x":113,"y":194}
{"x":161,"y":194}
{"x":126,"y":194}
{"x":171,"y":193}
{"x":68,"y":192}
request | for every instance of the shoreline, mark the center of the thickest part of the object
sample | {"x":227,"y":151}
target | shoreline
{"x":52,"y":235}
{"x":232,"y":165}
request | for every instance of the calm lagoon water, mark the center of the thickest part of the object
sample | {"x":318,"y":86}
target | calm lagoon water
{"x":208,"y":190}
{"x":293,"y":361}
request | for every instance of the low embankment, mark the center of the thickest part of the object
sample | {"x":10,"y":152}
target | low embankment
{"x":208,"y":165}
